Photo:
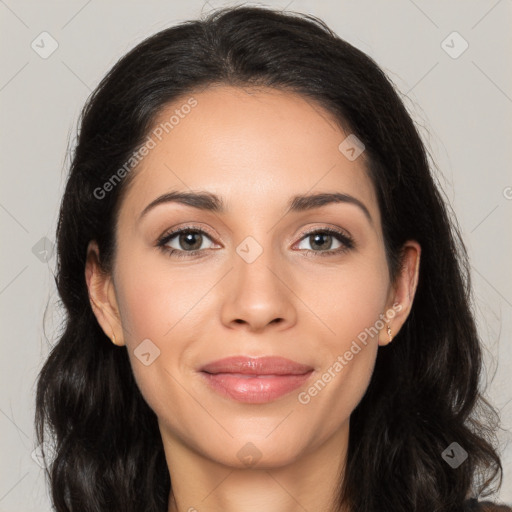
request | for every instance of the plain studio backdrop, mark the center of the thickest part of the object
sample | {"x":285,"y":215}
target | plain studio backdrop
{"x":449,"y":59}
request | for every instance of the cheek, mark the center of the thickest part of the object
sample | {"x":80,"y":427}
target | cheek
{"x":150,"y":304}
{"x":352,"y":301}
{"x":162,"y":306}
{"x":347,"y":299}
{"x":153,"y":300}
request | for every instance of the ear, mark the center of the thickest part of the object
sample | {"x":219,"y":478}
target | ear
{"x":102,"y":295}
{"x":402,"y":292}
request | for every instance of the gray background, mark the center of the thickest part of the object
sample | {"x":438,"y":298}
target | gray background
{"x":463,"y":106}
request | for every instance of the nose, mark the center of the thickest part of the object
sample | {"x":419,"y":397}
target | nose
{"x":257,"y":295}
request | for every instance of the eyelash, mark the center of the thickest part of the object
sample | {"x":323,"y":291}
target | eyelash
{"x":346,"y":240}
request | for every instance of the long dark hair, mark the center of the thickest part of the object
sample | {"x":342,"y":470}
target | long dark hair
{"x":424,"y":393}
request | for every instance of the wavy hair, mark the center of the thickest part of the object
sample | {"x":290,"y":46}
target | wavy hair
{"x":424,"y":393}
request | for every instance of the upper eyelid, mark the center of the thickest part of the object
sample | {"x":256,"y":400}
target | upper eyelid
{"x":173,"y":232}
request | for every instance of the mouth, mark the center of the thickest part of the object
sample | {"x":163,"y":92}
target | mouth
{"x":255,"y":380}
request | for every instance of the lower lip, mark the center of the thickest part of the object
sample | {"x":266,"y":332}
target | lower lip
{"x":254,"y":389}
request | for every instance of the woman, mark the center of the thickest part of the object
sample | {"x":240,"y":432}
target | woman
{"x":255,"y":369}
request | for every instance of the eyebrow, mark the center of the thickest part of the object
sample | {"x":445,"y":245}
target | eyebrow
{"x":213,"y":203}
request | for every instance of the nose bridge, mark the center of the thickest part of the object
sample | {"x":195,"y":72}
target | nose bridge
{"x":254,"y":265}
{"x":255,"y":252}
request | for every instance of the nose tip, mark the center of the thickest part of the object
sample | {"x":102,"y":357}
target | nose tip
{"x":256,"y":298}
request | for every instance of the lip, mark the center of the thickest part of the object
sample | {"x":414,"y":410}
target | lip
{"x":255,"y":380}
{"x":267,"y":365}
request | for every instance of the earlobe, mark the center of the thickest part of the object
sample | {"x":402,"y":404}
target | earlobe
{"x":102,"y":298}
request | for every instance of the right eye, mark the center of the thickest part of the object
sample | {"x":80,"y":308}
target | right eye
{"x":189,"y":237}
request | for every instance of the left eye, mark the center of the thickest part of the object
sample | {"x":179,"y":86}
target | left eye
{"x":319,"y":238}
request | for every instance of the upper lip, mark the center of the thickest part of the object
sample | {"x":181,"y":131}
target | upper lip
{"x":268,"y":365}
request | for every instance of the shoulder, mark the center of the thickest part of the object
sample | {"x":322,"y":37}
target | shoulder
{"x":486,"y":506}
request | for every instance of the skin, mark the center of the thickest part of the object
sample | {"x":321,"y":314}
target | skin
{"x":256,"y":149}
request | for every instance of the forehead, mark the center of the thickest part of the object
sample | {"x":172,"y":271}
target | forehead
{"x":254,"y":147}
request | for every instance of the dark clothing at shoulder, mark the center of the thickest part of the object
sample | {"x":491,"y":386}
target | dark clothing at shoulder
{"x":486,"y":506}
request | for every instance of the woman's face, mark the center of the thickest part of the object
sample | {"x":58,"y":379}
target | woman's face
{"x":266,"y":280}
